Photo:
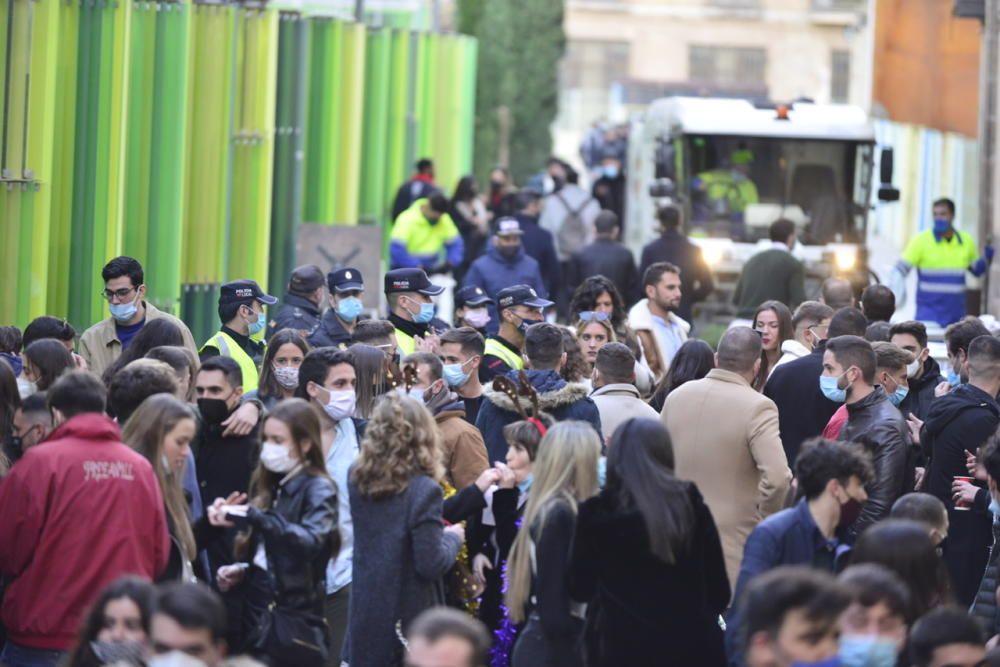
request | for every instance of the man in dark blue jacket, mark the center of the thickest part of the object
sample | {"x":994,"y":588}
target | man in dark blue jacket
{"x":504,"y":264}
{"x":924,"y":374}
{"x":538,"y":242}
{"x":674,"y":247}
{"x":832,"y":477}
{"x":544,"y":349}
{"x":803,"y":410}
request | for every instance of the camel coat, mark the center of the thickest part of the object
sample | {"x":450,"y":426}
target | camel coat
{"x":726,"y":441}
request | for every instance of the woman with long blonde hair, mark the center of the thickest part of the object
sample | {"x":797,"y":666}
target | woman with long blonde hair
{"x":565,"y":474}
{"x":161,"y":429}
{"x":401,"y":547}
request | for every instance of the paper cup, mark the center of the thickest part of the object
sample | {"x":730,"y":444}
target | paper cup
{"x":961,"y":505}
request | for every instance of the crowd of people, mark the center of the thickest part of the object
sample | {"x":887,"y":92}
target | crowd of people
{"x":314,"y":486}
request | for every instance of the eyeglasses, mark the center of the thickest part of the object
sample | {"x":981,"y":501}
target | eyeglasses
{"x":120,"y":293}
{"x":594,"y":315}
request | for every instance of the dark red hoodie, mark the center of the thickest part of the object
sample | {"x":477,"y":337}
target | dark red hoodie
{"x":79,"y":511}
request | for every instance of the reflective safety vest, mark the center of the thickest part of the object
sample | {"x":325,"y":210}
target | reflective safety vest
{"x":406,"y":343}
{"x":504,"y":353}
{"x":941,"y":267}
{"x":228,"y":347}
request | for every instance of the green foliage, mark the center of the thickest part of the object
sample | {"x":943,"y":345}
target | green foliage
{"x":517,"y":85}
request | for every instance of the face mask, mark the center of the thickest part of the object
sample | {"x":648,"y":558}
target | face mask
{"x":348,"y":309}
{"x":867,"y":651}
{"x":602,"y":472}
{"x":524,"y":486}
{"x":275,"y":458}
{"x":523,"y":326}
{"x":213,"y":410}
{"x":477,"y":318}
{"x":899,"y":395}
{"x":610,"y":171}
{"x":287,"y":376}
{"x":509,"y":251}
{"x":258,"y":326}
{"x":415,"y":393}
{"x":941,"y":225}
{"x":341,"y":404}
{"x":455,"y":376}
{"x":829,"y":386}
{"x":913,"y":368}
{"x":849,"y":513}
{"x":954,"y":379}
{"x":424,"y":315}
{"x":123,"y":312}
{"x":994,"y":506}
{"x":175,"y":659}
{"x":131,"y":652}
{"x":829,"y":662}
{"x":15,"y":361}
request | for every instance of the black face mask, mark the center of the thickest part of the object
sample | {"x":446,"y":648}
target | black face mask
{"x":508,"y":251}
{"x":496,"y":185}
{"x":213,"y":410}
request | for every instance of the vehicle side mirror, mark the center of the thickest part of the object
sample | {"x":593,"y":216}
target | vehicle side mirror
{"x":886,"y":190}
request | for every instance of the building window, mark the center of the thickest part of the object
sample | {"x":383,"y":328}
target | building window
{"x":840,"y":76}
{"x":595,"y":65}
{"x":727,"y":65}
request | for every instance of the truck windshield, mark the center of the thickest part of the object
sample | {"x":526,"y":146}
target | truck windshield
{"x":737,"y":186}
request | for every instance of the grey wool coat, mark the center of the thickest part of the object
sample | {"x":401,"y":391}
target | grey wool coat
{"x":401,"y":552}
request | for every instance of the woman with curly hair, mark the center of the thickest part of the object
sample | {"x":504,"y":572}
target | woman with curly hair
{"x":597,"y":294}
{"x":576,"y":368}
{"x":401,"y":547}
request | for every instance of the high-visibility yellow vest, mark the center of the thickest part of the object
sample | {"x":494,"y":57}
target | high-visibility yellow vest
{"x":228,"y":347}
{"x":405,"y":343}
{"x":504,"y":353}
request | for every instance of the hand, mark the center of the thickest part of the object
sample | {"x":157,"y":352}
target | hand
{"x":963,"y":493}
{"x":507,"y":479}
{"x":479,"y":566}
{"x":487,"y":478}
{"x":458,"y":530}
{"x":242,"y":421}
{"x":229,"y":575}
{"x":915,"y":424}
{"x":216,"y":513}
{"x":428,"y":343}
{"x":921,"y":473}
{"x":942,"y":389}
{"x":975,"y":467}
{"x":80,"y":362}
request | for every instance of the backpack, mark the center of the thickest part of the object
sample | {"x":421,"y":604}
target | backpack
{"x":572,"y":232}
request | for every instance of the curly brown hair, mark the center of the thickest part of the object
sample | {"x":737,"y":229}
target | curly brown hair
{"x":401,"y":440}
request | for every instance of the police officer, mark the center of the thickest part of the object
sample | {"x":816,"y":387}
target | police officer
{"x":346,"y":287}
{"x":470,"y":308}
{"x":300,"y":310}
{"x":411,"y":309}
{"x":942,"y":255}
{"x":241,"y":310}
{"x":519,"y":307}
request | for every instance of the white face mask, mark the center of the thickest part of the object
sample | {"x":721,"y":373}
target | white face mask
{"x":477,"y":317}
{"x":913,"y":368}
{"x":276,"y":458}
{"x":341,"y":404}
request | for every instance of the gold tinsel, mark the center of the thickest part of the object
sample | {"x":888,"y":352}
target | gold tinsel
{"x":462,"y":585}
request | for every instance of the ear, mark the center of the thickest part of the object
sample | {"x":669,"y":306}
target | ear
{"x":562,"y":360}
{"x":437,"y":386}
{"x":924,"y":353}
{"x":312,"y":389}
{"x":238,"y":391}
{"x":475,"y":361}
{"x":756,"y":367}
{"x":759,"y":651}
{"x":650,"y":290}
{"x":715,"y":357}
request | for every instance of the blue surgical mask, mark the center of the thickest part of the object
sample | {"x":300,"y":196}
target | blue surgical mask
{"x":415,"y":393}
{"x":867,"y":651}
{"x":899,"y":395}
{"x":258,"y":326}
{"x":424,"y":315}
{"x":954,"y":379}
{"x":602,"y":471}
{"x":610,"y":170}
{"x":455,"y":376}
{"x":829,"y":662}
{"x":123,"y":312}
{"x":941,"y":225}
{"x":828,"y":385}
{"x":994,"y":506}
{"x":348,"y":309}
{"x":525,"y":485}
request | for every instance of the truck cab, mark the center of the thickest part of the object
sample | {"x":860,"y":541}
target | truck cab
{"x":734,"y":168}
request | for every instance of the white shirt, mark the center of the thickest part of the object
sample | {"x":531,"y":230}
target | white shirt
{"x":343,"y":453}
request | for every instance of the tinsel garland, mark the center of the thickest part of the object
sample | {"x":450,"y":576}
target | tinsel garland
{"x":506,"y":633}
{"x":471,"y":603}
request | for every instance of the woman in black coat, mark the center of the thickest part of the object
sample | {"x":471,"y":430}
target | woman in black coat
{"x":293,"y":535}
{"x":648,"y":562}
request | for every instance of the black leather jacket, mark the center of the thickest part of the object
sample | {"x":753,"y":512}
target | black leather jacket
{"x":876,"y":424}
{"x":300,"y":537}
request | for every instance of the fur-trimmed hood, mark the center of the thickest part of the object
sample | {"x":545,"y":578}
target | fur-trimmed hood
{"x":553,"y":392}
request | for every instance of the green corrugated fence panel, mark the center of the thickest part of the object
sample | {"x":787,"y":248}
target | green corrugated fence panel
{"x":253,"y":144}
{"x":417,"y":123}
{"x":208,"y":156}
{"x":348,"y":179}
{"x":397,"y":130}
{"x":468,"y":61}
{"x":142,"y":80}
{"x":376,"y":126}
{"x":286,"y":205}
{"x":323,"y":121}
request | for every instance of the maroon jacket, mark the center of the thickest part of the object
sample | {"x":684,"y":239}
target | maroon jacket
{"x":79,"y":511}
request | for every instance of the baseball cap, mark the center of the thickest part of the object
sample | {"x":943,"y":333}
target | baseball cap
{"x":345,"y":280}
{"x":242,"y":290}
{"x":471,"y":295}
{"x":518,"y":295}
{"x":410,"y":280}
{"x":509,"y":227}
{"x":305,"y":279}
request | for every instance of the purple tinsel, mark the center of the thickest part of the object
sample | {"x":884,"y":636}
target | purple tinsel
{"x":506,"y":634}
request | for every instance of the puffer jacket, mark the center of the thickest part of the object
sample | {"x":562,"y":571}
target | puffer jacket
{"x":300,"y":537}
{"x":921,"y":395}
{"x":876,"y":424}
{"x":984,"y":608}
{"x":560,"y":399}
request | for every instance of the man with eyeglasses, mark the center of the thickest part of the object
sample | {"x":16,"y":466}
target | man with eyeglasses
{"x":125,"y":292}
